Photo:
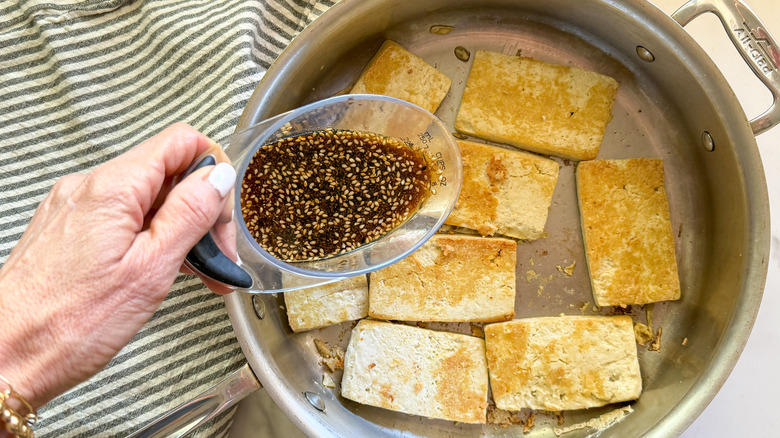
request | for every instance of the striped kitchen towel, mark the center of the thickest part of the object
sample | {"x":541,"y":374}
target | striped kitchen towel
{"x":84,"y":80}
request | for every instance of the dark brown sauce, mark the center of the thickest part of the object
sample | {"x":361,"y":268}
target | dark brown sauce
{"x":321,"y":194}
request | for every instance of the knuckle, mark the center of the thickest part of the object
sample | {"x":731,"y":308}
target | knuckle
{"x":107,"y":190}
{"x":179,"y":132}
{"x":181,"y":126}
{"x":65,"y":185}
{"x":179,"y":138}
{"x":62,"y":190}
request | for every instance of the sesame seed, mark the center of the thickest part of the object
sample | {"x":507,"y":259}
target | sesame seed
{"x":339,"y":189}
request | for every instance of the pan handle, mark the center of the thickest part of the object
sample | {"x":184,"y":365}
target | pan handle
{"x":752,"y":40}
{"x":183,"y":419}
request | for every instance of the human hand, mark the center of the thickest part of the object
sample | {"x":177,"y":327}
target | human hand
{"x":99,"y":257}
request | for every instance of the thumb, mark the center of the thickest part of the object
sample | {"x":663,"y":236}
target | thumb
{"x":191,"y":209}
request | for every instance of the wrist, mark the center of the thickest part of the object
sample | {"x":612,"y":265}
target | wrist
{"x":27,"y":358}
{"x":24,"y":370}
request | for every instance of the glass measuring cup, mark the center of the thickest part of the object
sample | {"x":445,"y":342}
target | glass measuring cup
{"x":256,"y":270}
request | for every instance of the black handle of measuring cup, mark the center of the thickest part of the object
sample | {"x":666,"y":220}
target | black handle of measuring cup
{"x":207,"y":258}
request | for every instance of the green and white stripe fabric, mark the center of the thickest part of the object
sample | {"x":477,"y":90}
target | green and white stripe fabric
{"x":84,"y":80}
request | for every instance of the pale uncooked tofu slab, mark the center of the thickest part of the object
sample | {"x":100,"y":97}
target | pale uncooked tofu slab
{"x":396,"y":72}
{"x":627,"y":231}
{"x":417,"y":371}
{"x":329,"y":304}
{"x":545,"y":108}
{"x":451,"y":278}
{"x":558,"y":363}
{"x":505,"y":192}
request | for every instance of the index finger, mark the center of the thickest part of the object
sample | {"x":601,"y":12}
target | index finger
{"x":166,"y":154}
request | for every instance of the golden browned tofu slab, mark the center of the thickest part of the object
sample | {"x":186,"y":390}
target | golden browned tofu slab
{"x":627,"y":231}
{"x":329,"y":304}
{"x":506,"y":192}
{"x":417,"y":371}
{"x":450,"y":278}
{"x":558,"y":363}
{"x":396,"y":72}
{"x":545,"y":108}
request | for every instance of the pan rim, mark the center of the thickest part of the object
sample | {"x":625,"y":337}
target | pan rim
{"x":754,"y":265}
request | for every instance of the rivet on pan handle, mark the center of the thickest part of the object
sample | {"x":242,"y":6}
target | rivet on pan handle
{"x":752,"y":40}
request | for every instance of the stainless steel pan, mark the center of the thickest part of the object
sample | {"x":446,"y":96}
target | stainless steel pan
{"x":673,"y":104}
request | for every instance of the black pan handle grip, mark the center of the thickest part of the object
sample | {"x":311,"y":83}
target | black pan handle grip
{"x":207,"y":258}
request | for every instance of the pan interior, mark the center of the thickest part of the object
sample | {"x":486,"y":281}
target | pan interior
{"x":661,"y":110}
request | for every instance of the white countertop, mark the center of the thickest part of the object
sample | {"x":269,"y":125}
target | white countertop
{"x":747,"y":405}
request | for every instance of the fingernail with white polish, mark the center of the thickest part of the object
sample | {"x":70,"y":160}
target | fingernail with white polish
{"x":222,"y":178}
